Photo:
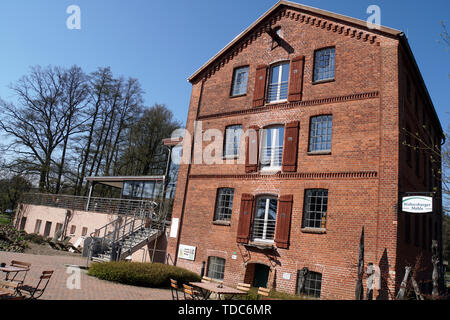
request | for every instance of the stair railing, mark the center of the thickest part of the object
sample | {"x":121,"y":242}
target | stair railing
{"x":116,"y":232}
{"x":103,"y":238}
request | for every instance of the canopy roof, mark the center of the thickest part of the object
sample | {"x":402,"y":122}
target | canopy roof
{"x":117,"y":182}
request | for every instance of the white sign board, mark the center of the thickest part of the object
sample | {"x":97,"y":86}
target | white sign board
{"x":174,"y":228}
{"x":186,"y":252}
{"x":417,"y":204}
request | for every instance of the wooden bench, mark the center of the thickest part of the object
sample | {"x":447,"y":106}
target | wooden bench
{"x":264,"y":292}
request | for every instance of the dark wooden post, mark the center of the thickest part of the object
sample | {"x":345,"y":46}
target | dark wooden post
{"x":359,"y":290}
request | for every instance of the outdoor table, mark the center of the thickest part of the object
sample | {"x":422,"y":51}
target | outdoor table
{"x":15,"y":270}
{"x":207,"y":288}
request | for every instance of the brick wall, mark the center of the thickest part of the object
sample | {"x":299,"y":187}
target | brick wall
{"x":361,"y":173}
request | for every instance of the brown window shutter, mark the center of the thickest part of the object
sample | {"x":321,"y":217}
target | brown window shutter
{"x":252,"y":144}
{"x":290,"y":152}
{"x":296,"y":79}
{"x":245,"y":218}
{"x":260,"y":86}
{"x":284,"y":221}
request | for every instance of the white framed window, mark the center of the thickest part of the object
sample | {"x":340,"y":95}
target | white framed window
{"x":232,"y":141}
{"x":265,"y":219}
{"x":272,"y":148}
{"x":278,"y":83}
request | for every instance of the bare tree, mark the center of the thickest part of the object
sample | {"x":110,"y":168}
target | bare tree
{"x":99,"y":87}
{"x":37,"y":124}
{"x":74,"y":100}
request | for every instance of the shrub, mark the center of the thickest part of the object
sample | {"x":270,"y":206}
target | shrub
{"x":11,"y":239}
{"x":35,"y":238}
{"x":151,"y":275}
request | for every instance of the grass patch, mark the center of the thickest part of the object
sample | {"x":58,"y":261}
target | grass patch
{"x":150,"y":275}
{"x":5,"y":220}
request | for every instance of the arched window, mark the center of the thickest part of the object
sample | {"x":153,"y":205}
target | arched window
{"x":265,"y":218}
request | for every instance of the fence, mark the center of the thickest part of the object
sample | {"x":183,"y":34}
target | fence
{"x":101,"y":205}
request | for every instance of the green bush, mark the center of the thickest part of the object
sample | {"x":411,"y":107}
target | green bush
{"x":151,"y":275}
{"x":35,"y":238}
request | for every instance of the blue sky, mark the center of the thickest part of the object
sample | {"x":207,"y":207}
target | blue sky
{"x":163,"y":42}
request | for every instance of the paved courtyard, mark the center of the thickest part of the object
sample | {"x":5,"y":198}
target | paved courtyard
{"x":90,"y":288}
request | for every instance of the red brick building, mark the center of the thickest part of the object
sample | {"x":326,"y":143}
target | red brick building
{"x":328,"y":99}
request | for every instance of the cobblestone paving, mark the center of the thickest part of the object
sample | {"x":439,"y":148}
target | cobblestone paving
{"x":90,"y":288}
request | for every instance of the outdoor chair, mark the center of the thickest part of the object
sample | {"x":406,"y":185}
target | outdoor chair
{"x":8,"y":285}
{"x":174,"y":289}
{"x":190,"y":293}
{"x":12,"y":297}
{"x":263,"y":292}
{"x":18,"y":264}
{"x":34,"y":293}
{"x":206,"y":280}
{"x":244,"y":287}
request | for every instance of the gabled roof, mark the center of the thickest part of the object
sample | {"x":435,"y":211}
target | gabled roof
{"x":306,"y":9}
{"x":385,"y":31}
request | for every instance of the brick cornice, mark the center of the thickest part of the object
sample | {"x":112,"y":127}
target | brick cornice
{"x":291,"y":105}
{"x":292,"y":176}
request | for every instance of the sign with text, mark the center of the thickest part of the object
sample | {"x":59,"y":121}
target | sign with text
{"x":417,"y":204}
{"x":186,"y":252}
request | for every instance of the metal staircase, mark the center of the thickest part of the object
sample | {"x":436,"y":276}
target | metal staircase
{"x":122,"y":237}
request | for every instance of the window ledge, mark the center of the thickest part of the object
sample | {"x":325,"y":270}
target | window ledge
{"x":238,"y":96}
{"x":222,"y":223}
{"x":319,"y":153}
{"x":261,"y":245}
{"x":323,"y":81}
{"x":231,"y":157}
{"x":270,"y":171}
{"x":276,"y":102}
{"x":314,"y":230}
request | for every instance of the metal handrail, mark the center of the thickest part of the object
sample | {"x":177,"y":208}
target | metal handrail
{"x":96,"y":204}
{"x":125,"y":228}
